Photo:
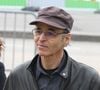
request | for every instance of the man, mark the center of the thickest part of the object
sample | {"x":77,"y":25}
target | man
{"x":52,"y":68}
{"x":2,"y":69}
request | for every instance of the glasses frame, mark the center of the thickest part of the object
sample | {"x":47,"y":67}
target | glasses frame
{"x":49,"y":34}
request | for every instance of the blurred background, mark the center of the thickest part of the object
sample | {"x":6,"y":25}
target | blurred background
{"x":15,"y":30}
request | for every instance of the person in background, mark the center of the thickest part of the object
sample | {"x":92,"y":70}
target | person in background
{"x":2,"y":68}
{"x":52,"y":68}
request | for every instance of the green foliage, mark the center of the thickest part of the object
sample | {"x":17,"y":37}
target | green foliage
{"x":81,"y":4}
{"x":12,"y":2}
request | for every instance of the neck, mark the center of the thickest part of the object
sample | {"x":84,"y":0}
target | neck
{"x":52,"y":61}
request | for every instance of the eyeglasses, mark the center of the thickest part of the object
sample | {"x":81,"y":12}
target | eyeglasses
{"x":49,"y":34}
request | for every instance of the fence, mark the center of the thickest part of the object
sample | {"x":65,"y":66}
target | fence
{"x":16,"y":32}
{"x":19,"y":45}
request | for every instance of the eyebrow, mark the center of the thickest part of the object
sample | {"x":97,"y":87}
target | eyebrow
{"x":52,"y":29}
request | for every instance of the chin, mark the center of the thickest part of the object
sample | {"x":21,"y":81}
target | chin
{"x":43,"y":53}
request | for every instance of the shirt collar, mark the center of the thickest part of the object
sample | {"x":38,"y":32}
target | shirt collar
{"x":39,"y":69}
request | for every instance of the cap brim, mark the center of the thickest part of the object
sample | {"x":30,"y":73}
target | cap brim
{"x":51,"y":23}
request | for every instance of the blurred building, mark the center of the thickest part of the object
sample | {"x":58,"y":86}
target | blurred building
{"x":44,"y":3}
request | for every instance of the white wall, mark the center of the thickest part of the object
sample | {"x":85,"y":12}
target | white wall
{"x":44,"y":3}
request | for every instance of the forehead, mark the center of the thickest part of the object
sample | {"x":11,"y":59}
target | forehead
{"x":44,"y":25}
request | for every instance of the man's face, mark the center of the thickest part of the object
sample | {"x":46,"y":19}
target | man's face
{"x":49,"y":40}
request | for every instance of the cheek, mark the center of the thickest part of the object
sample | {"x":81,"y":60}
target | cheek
{"x":35,"y":40}
{"x":56,"y":45}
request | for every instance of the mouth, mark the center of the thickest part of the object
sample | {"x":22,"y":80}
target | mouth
{"x":41,"y":46}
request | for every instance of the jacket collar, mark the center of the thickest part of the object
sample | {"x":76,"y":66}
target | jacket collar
{"x":65,"y":73}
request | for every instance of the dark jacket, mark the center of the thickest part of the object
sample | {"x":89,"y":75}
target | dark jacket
{"x":79,"y":77}
{"x":2,"y":76}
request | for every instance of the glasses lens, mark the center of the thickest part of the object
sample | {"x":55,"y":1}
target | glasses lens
{"x":46,"y":33}
{"x":49,"y":34}
{"x":36,"y":32}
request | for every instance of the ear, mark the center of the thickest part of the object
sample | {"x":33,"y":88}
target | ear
{"x":67,"y":39}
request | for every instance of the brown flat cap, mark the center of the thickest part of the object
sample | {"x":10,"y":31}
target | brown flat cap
{"x":55,"y":17}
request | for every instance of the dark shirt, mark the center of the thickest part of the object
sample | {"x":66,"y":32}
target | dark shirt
{"x":50,"y":79}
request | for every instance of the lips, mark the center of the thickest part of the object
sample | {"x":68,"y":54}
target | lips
{"x":41,"y":46}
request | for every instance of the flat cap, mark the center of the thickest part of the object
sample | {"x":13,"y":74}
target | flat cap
{"x":54,"y":16}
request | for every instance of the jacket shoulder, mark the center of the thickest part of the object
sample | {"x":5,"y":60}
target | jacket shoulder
{"x":20,"y":78}
{"x":83,"y":67}
{"x":20,"y":70}
{"x":82,"y":70}
{"x":23,"y":66}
